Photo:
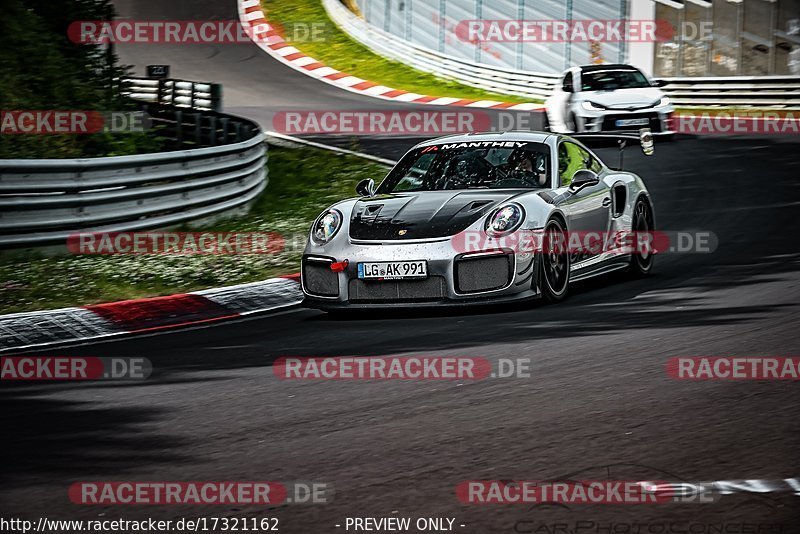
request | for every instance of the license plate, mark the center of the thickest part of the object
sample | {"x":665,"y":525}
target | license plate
{"x":393,"y":270}
{"x":632,"y":122}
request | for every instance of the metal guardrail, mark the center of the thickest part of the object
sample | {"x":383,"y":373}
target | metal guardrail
{"x":178,"y":93}
{"x":765,"y":91}
{"x":762,"y":91}
{"x":45,"y":201}
{"x":193,"y":128}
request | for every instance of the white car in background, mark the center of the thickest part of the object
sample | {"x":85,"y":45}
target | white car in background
{"x":603,"y":98}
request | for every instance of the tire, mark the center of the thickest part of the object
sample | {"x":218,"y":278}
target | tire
{"x":642,"y":221}
{"x":571,"y":123}
{"x":554,"y":265}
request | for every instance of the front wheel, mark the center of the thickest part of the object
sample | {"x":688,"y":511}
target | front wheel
{"x":572,"y":123}
{"x":555,"y":263}
{"x":642,"y":257}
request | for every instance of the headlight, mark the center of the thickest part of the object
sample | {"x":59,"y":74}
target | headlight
{"x":663,"y":102}
{"x":505,"y":220}
{"x":590,"y":106}
{"x":326,"y":226}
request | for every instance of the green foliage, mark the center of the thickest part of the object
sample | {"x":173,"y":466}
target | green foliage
{"x":41,"y":69}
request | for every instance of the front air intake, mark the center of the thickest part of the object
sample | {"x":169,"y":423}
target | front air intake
{"x":475,"y":274}
{"x":318,"y":279}
{"x":430,"y":289}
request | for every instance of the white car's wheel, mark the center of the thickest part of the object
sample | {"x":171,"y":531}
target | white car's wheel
{"x":571,"y":123}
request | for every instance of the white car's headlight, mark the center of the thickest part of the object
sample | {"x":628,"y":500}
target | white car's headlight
{"x":590,"y":106}
{"x":663,"y":102}
{"x":326,"y":226}
{"x":505,"y":220}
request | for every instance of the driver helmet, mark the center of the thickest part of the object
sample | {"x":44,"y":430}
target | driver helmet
{"x":529,"y":164}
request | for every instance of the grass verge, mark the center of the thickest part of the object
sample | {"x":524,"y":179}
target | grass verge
{"x":339,"y":51}
{"x":302,"y":182}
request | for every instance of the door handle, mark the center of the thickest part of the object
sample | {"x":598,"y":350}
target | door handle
{"x":606,"y":202}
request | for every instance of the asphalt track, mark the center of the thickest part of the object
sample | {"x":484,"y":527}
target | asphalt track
{"x":598,"y":404}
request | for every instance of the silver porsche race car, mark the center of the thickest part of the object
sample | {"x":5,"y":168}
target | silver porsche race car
{"x":477,"y":219}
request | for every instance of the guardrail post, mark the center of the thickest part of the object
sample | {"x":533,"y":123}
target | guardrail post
{"x":408,"y":19}
{"x":216,"y":97}
{"x":159,"y":90}
{"x":442,"y":25}
{"x":191,"y":95}
{"x":237,"y":129}
{"x":224,"y":121}
{"x":179,"y":127}
{"x":198,"y":117}
{"x":623,"y":44}
{"x":212,"y":135}
{"x":519,"y":50}
{"x":479,"y":16}
{"x":568,"y":44}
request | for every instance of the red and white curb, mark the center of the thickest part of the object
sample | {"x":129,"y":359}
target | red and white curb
{"x":67,"y":325}
{"x":265,"y":36}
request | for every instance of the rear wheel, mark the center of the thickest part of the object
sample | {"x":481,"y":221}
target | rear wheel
{"x":555,"y":263}
{"x":642,"y":257}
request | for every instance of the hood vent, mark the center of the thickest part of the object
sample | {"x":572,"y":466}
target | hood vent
{"x":370,"y":211}
{"x":479,"y":204}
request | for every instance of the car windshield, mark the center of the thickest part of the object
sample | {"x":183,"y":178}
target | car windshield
{"x":609,"y":80}
{"x":473,"y":165}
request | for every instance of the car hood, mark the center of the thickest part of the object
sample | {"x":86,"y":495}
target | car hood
{"x":625,"y":98}
{"x":423,"y":215}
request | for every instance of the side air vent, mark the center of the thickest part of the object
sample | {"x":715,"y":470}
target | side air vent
{"x":619,"y":200}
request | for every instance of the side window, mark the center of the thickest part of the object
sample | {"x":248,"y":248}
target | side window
{"x":593,"y":164}
{"x":572,"y":158}
{"x":567,"y":85}
{"x":570,"y":161}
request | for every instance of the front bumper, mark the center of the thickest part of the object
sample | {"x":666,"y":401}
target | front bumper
{"x":659,"y":120}
{"x":454,"y":278}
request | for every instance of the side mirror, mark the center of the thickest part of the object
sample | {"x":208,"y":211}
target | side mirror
{"x":366,"y":188}
{"x":646,"y":140}
{"x":659,"y":83}
{"x":583,"y":178}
